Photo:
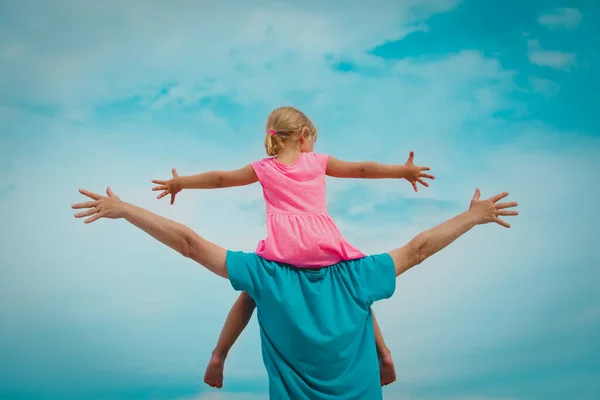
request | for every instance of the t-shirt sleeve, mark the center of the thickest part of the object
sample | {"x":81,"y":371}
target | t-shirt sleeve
{"x":246,"y":272}
{"x":322,"y":161}
{"x":377,"y":277}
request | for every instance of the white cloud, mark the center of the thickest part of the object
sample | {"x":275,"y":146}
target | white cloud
{"x":104,"y":50}
{"x":568,"y":18}
{"x":550,"y":58}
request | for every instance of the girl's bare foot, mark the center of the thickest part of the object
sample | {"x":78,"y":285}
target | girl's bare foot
{"x":387,"y":371}
{"x":214,"y":372}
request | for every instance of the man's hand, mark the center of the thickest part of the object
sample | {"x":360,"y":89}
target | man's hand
{"x":172,"y":186}
{"x":415,"y":174}
{"x":102,"y":207}
{"x":486,"y":211}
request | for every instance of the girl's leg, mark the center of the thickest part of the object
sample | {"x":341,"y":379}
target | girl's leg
{"x":236,"y":322}
{"x":387,"y":371}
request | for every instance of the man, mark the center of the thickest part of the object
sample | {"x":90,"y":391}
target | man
{"x":316,"y":328}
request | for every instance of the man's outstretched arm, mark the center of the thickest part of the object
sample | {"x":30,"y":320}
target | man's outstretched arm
{"x":175,"y":235}
{"x":429,"y":242}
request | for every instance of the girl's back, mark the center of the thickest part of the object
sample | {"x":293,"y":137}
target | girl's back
{"x":299,"y":229}
{"x":297,"y":188}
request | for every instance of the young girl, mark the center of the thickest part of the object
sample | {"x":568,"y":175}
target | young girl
{"x":300,"y":230}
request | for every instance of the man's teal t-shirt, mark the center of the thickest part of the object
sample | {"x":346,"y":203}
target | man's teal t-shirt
{"x":316,"y":326}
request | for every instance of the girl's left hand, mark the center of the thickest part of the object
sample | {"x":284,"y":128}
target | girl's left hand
{"x":172,"y":186}
{"x":415,"y":173}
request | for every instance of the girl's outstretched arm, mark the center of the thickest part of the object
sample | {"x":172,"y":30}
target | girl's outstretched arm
{"x":206,"y":180}
{"x":374,"y":170}
{"x":175,"y":235}
{"x":219,"y":179}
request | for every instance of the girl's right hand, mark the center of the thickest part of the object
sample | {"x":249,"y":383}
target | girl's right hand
{"x":414,"y":174}
{"x":172,"y":186}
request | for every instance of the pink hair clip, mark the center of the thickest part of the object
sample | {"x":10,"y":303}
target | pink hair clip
{"x":272,"y":132}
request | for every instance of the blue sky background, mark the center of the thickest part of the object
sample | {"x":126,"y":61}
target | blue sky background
{"x":496,"y":95}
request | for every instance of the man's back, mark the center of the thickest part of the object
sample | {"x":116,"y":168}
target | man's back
{"x":316,"y":327}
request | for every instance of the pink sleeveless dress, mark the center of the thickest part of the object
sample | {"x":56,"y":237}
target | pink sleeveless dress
{"x":300,"y":231}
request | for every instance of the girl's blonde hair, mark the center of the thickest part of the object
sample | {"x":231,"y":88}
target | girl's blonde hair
{"x":283,"y":124}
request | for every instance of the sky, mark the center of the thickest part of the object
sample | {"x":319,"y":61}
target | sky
{"x":495,"y":95}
